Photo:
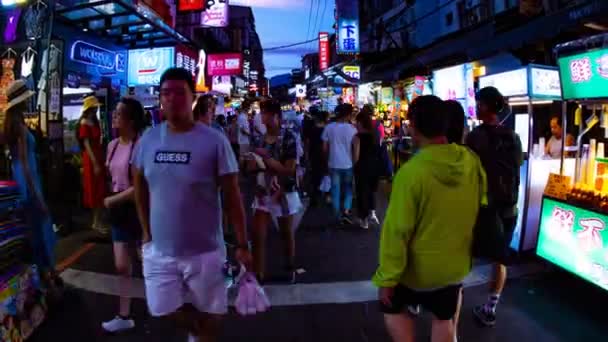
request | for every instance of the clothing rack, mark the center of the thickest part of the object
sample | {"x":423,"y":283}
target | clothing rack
{"x":19,"y":280}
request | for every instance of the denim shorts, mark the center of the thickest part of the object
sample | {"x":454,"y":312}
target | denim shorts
{"x":129,"y":233}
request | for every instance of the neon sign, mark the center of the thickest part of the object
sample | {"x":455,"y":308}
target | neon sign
{"x":87,"y":53}
{"x":146,"y":66}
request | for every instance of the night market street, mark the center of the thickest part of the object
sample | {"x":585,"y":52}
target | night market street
{"x":333,"y":301}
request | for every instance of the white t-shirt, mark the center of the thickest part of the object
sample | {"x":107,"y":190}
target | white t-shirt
{"x":339,"y":136}
{"x":243,"y":124}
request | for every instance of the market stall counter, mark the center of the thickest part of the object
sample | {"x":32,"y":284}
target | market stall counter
{"x":572,"y":229}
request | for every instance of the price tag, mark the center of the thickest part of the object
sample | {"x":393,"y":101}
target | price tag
{"x":558,"y":186}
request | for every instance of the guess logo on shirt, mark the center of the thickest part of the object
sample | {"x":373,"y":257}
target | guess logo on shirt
{"x":172,"y":157}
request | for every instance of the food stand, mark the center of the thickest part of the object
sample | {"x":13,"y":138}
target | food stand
{"x":528,"y":89}
{"x":572,"y":230}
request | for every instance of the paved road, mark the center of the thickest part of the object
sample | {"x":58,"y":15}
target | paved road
{"x":333,"y":300}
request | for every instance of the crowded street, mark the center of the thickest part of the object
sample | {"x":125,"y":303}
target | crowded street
{"x":303,"y":170}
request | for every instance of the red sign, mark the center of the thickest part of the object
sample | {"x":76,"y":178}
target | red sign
{"x":186,"y":58}
{"x":323,"y":50}
{"x":190,"y":5}
{"x":225,"y":64}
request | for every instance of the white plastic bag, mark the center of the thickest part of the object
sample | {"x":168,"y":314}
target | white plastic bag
{"x":251,"y":298}
{"x":325,"y":184}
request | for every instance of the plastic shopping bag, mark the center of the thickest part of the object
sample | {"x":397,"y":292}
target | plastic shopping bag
{"x":251,"y":298}
{"x":325,"y":184}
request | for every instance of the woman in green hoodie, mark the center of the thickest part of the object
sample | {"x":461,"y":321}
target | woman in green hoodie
{"x":425,"y":247}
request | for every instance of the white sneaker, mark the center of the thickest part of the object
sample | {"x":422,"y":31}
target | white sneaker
{"x":118,"y":324}
{"x":364,"y":223}
{"x":192,"y":338}
{"x":414,"y":310}
{"x":373,"y":218}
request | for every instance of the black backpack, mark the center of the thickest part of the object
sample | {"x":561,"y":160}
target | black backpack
{"x":500,"y":152}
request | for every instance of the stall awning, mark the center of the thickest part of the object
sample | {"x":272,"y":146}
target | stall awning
{"x":122,"y":21}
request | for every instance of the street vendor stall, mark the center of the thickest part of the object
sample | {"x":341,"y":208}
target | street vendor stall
{"x":530,"y":91}
{"x":572,"y":230}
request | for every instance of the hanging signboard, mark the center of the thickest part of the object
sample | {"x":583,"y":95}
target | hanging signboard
{"x":510,"y":83}
{"x":190,"y":5}
{"x":215,"y":13}
{"x":87,"y":53}
{"x":348,"y":26}
{"x":186,"y":58}
{"x":352,"y":71}
{"x":222,"y":84}
{"x":449,"y":83}
{"x":225,"y":64}
{"x":301,"y":90}
{"x":323,"y":51}
{"x":545,"y":82}
{"x":201,"y":86}
{"x":585,"y":75}
{"x":146,"y":66}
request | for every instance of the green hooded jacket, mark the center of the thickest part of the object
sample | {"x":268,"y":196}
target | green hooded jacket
{"x":428,"y":229}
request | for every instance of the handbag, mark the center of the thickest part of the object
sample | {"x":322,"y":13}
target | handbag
{"x":123,"y":214}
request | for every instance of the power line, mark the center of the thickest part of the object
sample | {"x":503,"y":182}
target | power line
{"x":322,"y":16}
{"x":309,"y":18}
{"x":290,"y":45}
{"x":316,"y":17}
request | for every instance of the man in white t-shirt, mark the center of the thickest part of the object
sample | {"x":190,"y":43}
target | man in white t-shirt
{"x":338,"y":144}
{"x":244,"y":133}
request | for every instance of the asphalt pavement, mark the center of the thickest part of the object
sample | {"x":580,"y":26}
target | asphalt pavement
{"x":333,"y":300}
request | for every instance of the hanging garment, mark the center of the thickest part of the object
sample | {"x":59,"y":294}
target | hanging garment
{"x":34,"y":18}
{"x":27,"y":64}
{"x":12,"y":22}
{"x":8,"y":76}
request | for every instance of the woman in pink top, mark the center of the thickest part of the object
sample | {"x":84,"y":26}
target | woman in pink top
{"x":128,"y":120}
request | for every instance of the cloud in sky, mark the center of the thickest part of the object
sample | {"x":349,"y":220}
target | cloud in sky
{"x":279,"y":4}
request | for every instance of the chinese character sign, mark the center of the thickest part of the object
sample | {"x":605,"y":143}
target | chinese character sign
{"x":574,"y":239}
{"x":215,"y":13}
{"x":323,"y":50}
{"x":225,"y":64}
{"x":348,"y":26}
{"x":584,"y":76}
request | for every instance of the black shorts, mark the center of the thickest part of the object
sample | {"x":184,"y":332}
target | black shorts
{"x":441,"y":302}
{"x":508,"y":226}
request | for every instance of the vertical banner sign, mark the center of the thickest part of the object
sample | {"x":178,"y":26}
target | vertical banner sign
{"x":470,"y":95}
{"x":348,"y":26}
{"x":215,"y":13}
{"x":186,"y":58}
{"x":201,"y":72}
{"x":323,"y":51}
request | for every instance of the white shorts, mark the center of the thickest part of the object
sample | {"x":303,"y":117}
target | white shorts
{"x":266,"y":204}
{"x":173,"y":281}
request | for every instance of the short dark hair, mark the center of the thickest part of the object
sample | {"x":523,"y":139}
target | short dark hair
{"x":456,"y":119}
{"x":271,"y":106}
{"x":202,"y":106}
{"x":558,"y":119}
{"x":365,"y":120}
{"x":178,"y":74}
{"x":491,"y":98}
{"x":428,"y":114}
{"x":344,"y":110}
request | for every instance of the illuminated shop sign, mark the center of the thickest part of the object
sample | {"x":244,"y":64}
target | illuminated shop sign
{"x":575,"y":239}
{"x":87,"y":53}
{"x":146,"y":66}
{"x":585,"y":76}
{"x":348,"y":26}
